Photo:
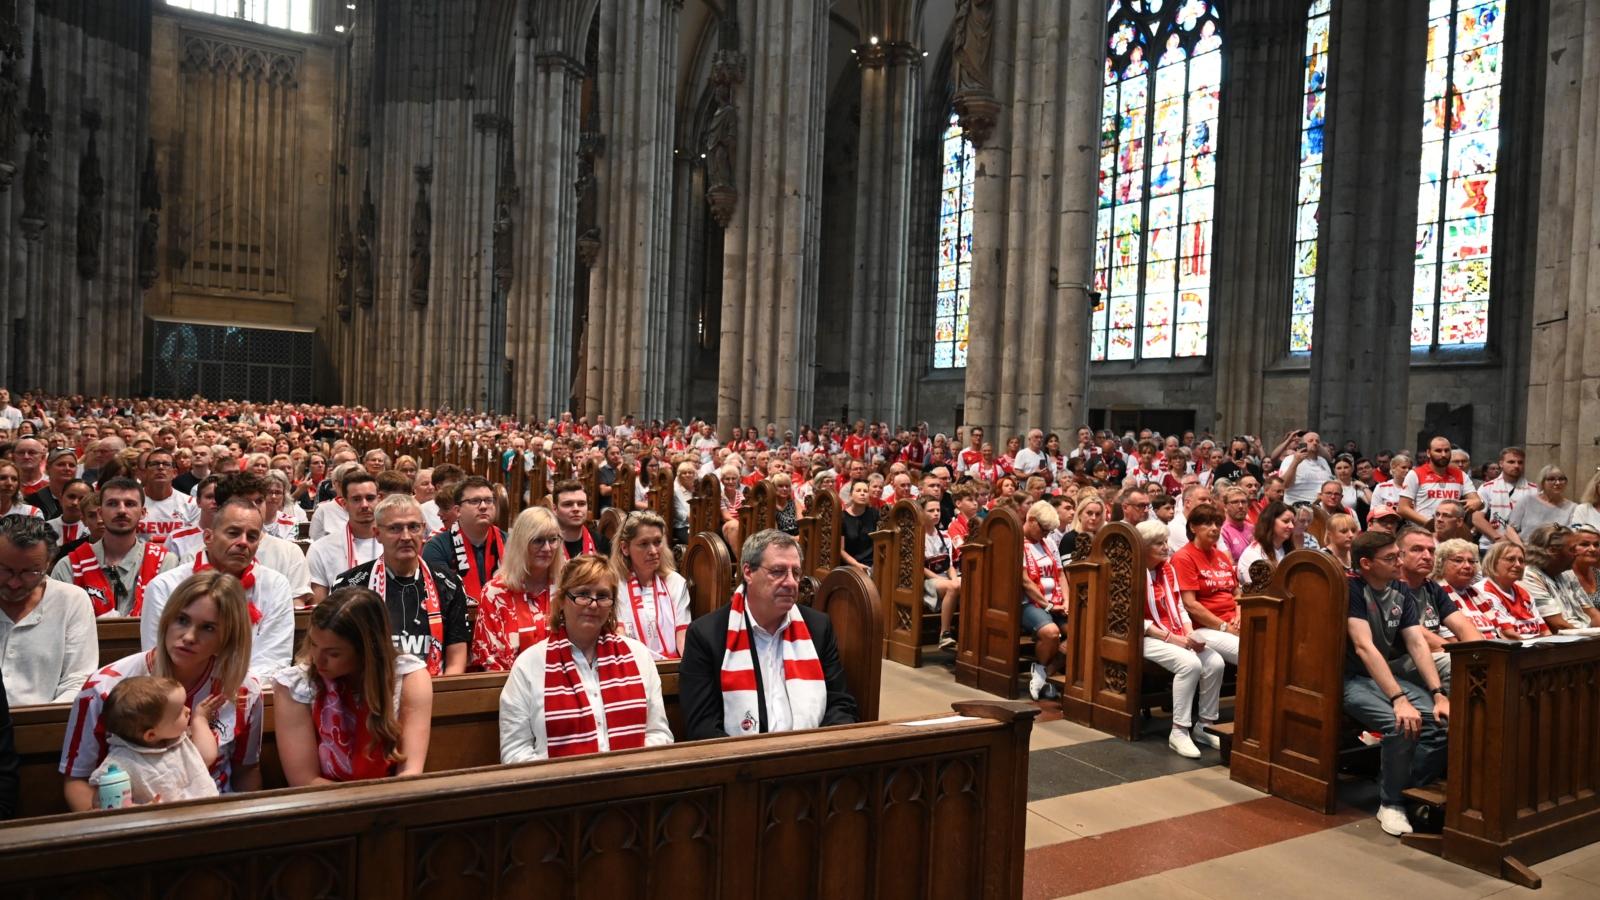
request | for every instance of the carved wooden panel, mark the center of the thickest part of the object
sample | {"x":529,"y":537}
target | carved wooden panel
{"x":851,"y":604}
{"x":709,"y":572}
{"x":322,"y":871}
{"x":899,"y":575}
{"x":826,"y":510}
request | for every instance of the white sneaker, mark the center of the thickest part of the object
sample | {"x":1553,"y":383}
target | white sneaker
{"x":1182,"y":745}
{"x":1205,"y":738}
{"x":1037,"y":681}
{"x":1393,"y":820}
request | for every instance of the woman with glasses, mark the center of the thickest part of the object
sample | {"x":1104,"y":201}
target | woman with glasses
{"x":1548,"y":505}
{"x":732,"y":500}
{"x":515,"y":606}
{"x":653,"y":605}
{"x":283,"y":518}
{"x":585,"y":688}
{"x":351,"y":708}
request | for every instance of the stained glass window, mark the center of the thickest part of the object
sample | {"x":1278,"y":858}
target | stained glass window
{"x":951,"y":300}
{"x":1308,"y":200}
{"x":294,"y":15}
{"x":1158,"y":168}
{"x":1460,"y":149}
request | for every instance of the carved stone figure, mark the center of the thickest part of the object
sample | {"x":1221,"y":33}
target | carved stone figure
{"x":421,"y":238}
{"x":343,"y":257}
{"x":91,"y":189}
{"x":972,"y":37}
{"x":36,"y":167}
{"x":149,"y":242}
{"x":506,"y":197}
{"x":366,"y":226}
{"x":10,"y":109}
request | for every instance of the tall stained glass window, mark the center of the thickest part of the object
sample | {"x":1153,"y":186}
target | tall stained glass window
{"x":952,"y":298}
{"x":1460,"y":149}
{"x":1308,"y":202}
{"x":1158,"y":169}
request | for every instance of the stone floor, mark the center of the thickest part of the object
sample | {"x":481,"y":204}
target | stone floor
{"x":1108,"y":818}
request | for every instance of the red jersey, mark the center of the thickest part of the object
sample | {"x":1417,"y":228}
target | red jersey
{"x":1211,"y":576}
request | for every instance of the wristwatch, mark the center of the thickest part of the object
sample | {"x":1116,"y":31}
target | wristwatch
{"x":1439,"y":691}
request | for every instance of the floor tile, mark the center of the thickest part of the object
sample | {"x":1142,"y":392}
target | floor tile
{"x":1050,"y":774}
{"x":1042,"y":832}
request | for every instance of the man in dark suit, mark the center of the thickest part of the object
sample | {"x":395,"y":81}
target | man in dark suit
{"x":777,"y":637}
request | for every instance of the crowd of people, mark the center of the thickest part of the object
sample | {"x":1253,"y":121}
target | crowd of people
{"x":185,"y":515}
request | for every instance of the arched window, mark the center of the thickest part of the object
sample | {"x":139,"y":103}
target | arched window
{"x":1460,"y":151}
{"x":952,"y":296}
{"x":294,"y":15}
{"x":1308,"y":201}
{"x":1163,"y":81}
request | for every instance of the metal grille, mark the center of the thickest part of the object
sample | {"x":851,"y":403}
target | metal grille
{"x":227,"y":362}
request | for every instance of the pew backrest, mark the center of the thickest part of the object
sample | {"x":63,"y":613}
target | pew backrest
{"x":705,"y":507}
{"x":897,"y":571}
{"x":708,"y":569}
{"x":991,"y":603}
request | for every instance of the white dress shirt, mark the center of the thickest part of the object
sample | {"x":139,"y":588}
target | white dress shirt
{"x":523,"y":737}
{"x":48,"y":655}
{"x":774,"y":689}
{"x":272,"y":639}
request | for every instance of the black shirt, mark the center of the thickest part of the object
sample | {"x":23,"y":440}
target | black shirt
{"x":608,"y":477}
{"x":575,"y":548}
{"x":408,"y":616}
{"x":857,"y":532}
{"x":1230,"y":470}
{"x":46,"y":501}
{"x":185,"y":483}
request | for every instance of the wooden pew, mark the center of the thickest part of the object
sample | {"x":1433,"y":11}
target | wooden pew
{"x":466,"y":707}
{"x":590,"y":476}
{"x":759,"y":511}
{"x":708,"y":569}
{"x":840,"y":812}
{"x":1524,"y":781}
{"x":1106,"y":672}
{"x":897,"y":572}
{"x":538,"y":489}
{"x":705,"y":506}
{"x":989,"y":655}
{"x":1289,"y":714}
{"x":623,"y":488}
{"x":820,"y":542}
{"x":661,"y":486}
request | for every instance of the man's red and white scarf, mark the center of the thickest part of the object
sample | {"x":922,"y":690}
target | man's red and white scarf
{"x":248,"y":579}
{"x":378,"y":581}
{"x":569,"y":721}
{"x":589,"y":548}
{"x":802,"y":674}
{"x":467,"y":563}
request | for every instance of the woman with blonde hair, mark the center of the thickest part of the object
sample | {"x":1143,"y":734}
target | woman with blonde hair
{"x":586,"y":688}
{"x":351,"y":708}
{"x":11,"y":502}
{"x":1455,"y":569}
{"x":1341,"y":533}
{"x":205,"y":646}
{"x":1503,"y":568}
{"x":653,"y":604}
{"x":515,"y":605}
{"x":282,"y":517}
{"x":1587,"y":512}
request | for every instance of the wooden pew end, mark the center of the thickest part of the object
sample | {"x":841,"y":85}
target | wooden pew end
{"x":1224,"y":733}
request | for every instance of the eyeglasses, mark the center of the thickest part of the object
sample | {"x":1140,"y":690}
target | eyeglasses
{"x":158,"y":465}
{"x":478,"y":501}
{"x":1387,"y":558}
{"x":1560,"y":478}
{"x":544,"y":541}
{"x":26,"y":576}
{"x":583,"y":599}
{"x":399,"y":528}
{"x":781,"y":573}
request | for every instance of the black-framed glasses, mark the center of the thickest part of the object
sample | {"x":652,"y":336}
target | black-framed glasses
{"x":586,"y":599}
{"x":26,"y":576}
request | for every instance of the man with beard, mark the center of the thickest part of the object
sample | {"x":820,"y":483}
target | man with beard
{"x":116,"y":569}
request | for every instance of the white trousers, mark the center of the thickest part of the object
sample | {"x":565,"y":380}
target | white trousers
{"x":1227,"y":645}
{"x":1190,"y":671}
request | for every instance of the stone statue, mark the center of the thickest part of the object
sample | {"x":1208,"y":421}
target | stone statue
{"x":421,"y":238}
{"x":149,"y":240}
{"x":366,"y":225}
{"x":974,"y":100}
{"x":343,"y":257}
{"x":10,"y":110}
{"x":721,"y":141}
{"x":91,"y":189}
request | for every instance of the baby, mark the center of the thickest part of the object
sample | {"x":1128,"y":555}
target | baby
{"x":152,"y":737}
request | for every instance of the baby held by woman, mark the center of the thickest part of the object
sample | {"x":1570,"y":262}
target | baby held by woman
{"x":152,"y":737}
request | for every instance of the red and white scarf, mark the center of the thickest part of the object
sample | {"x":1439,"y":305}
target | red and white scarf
{"x":588,"y":544}
{"x":473,"y":580}
{"x":379,"y":579}
{"x":569,"y":721}
{"x":1519,"y":609}
{"x":89,"y":574}
{"x":663,"y":640}
{"x":1045,"y":570}
{"x":346,"y":750}
{"x":248,"y":579}
{"x":1162,"y":600}
{"x":1478,"y":607}
{"x":802,"y":674}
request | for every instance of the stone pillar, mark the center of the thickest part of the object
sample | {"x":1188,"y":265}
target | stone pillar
{"x":769,"y":290}
{"x":1256,"y":189}
{"x":1564,"y":378}
{"x":1027,"y":362}
{"x":628,"y":333}
{"x":549,"y":70}
{"x":1361,"y":337}
{"x":891,"y":77}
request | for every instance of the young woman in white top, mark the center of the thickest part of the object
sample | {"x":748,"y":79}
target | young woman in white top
{"x":1274,"y":536}
{"x":1387,"y":493}
{"x":653,"y":600}
{"x":11,"y":493}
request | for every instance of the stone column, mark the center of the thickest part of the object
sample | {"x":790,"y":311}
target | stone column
{"x":549,"y":71}
{"x":769,"y":290}
{"x":1027,"y":362}
{"x":1361,"y":338}
{"x":628,"y":335}
{"x":1256,"y":188}
{"x":1564,"y":378}
{"x":891,"y":78}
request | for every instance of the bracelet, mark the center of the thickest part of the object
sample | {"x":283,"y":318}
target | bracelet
{"x":1438,"y":690}
{"x":1397,"y":696}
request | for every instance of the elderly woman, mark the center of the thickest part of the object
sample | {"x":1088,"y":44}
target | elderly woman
{"x":585,"y":688}
{"x":682,"y":493}
{"x":653,"y":605}
{"x":1455,"y":569}
{"x":282,"y":517}
{"x":1503,"y":567}
{"x":1560,"y":602}
{"x":1044,"y":605}
{"x":515,"y":605}
{"x":788,"y":509}
{"x":1170,"y":642}
{"x":732,"y":500}
{"x":1587,"y":511}
{"x":1586,"y":562}
{"x":1548,"y":505}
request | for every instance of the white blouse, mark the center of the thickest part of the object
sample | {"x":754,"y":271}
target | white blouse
{"x":523,"y":737}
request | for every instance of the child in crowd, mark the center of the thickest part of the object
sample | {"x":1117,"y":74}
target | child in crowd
{"x":166,"y":752}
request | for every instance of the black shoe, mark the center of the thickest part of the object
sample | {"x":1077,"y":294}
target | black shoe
{"x":947,"y":641}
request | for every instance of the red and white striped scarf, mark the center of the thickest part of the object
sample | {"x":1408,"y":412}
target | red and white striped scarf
{"x":473,"y":580}
{"x":569,"y":722}
{"x":1164,"y":606}
{"x":802,"y":674}
{"x":663,"y":640}
{"x":248,"y":579}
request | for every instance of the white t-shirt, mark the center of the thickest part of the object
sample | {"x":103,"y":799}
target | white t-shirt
{"x":272,"y":638}
{"x":1500,"y":498}
{"x":646,"y":617}
{"x":1309,"y":476}
{"x":163,"y":517}
{"x":334,"y":554}
{"x":1027,"y":462}
{"x":330,"y":517}
{"x":1426,"y":488}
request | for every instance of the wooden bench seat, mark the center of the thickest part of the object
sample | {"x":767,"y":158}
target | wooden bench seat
{"x":992,"y":652}
{"x":935,"y":810}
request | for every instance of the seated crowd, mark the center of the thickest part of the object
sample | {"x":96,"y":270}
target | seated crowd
{"x":185,"y":516}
